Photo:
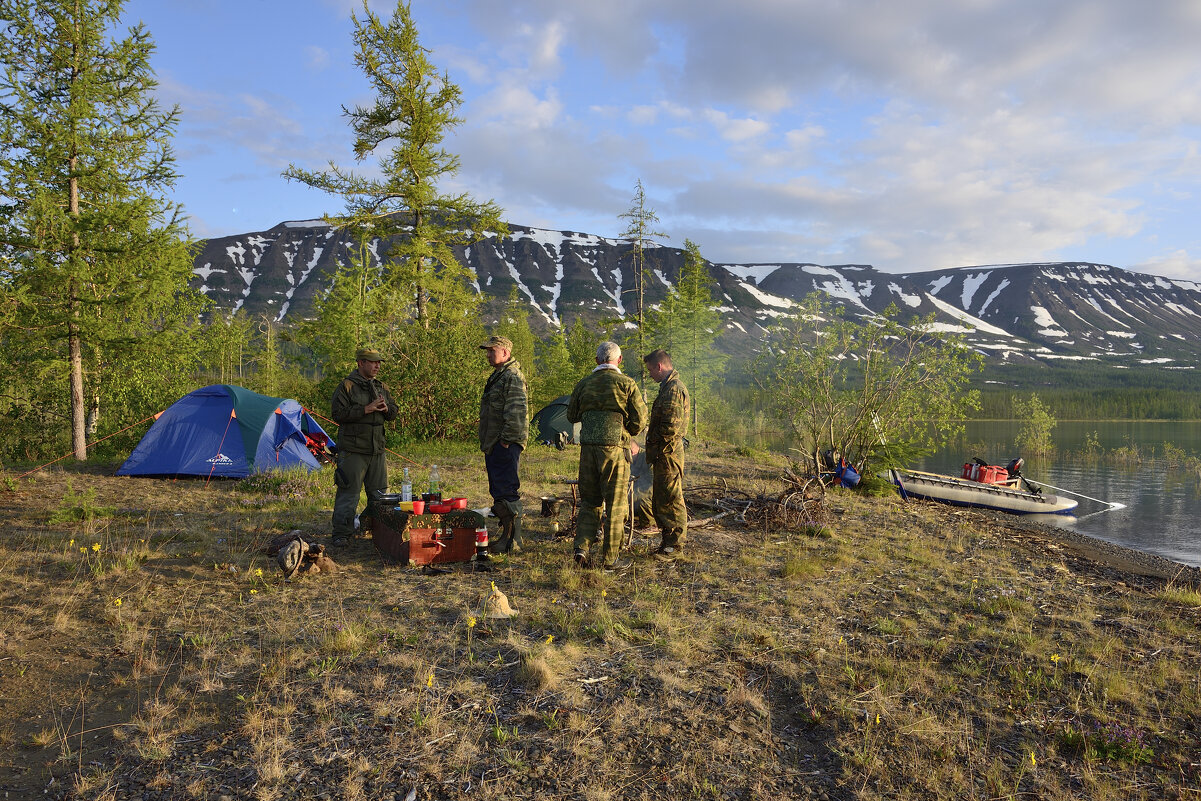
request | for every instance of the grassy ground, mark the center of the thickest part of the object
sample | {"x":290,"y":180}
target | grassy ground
{"x":149,"y":651}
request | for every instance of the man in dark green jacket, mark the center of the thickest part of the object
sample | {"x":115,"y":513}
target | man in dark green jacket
{"x":665,"y":453}
{"x":609,"y":408}
{"x":504,"y":426}
{"x":360,"y":406}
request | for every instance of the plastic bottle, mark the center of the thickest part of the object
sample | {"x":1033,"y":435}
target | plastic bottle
{"x":406,"y":487}
{"x":435,"y":484}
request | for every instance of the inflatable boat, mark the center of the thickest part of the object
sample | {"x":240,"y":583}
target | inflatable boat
{"x":982,"y":486}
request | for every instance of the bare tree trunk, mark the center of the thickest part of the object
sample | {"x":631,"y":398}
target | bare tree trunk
{"x":79,"y":440}
{"x":93,"y":418}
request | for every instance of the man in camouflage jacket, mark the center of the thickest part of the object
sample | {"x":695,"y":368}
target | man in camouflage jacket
{"x":360,"y":406}
{"x":504,"y":426}
{"x":665,"y":453}
{"x":610,"y":410}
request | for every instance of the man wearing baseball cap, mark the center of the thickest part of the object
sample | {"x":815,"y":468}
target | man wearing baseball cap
{"x":360,"y":406}
{"x":504,"y":426}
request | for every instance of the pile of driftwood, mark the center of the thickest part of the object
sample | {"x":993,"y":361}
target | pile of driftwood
{"x":801,"y":503}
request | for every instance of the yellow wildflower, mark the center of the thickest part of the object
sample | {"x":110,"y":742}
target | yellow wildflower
{"x":95,"y":546}
{"x":604,"y":593}
{"x":116,"y":602}
{"x":549,"y":638}
{"x":82,"y":549}
{"x":258,"y":572}
{"x":254,"y":592}
{"x":429,"y":681}
{"x":471,"y":622}
{"x":1055,"y":659}
{"x":396,"y":609}
{"x":1033,"y":761}
{"x":71,"y":544}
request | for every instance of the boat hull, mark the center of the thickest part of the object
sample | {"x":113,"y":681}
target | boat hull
{"x":963,"y":492}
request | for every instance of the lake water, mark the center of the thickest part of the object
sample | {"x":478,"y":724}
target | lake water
{"x":1163,"y":511}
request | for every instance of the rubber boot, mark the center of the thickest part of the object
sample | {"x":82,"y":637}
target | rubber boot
{"x":515,"y":532}
{"x":510,"y":539}
{"x":503,"y":541}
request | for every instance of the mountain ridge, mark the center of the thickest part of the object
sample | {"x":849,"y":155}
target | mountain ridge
{"x":1015,"y":313}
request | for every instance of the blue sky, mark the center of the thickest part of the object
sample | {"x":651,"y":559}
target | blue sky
{"x":908,"y":134}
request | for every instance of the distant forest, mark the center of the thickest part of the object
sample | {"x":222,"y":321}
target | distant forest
{"x":1076,"y":392}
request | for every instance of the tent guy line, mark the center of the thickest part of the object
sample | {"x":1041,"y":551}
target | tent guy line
{"x":154,"y":416}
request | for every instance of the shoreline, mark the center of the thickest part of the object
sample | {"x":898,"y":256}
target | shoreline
{"x":1102,"y":552}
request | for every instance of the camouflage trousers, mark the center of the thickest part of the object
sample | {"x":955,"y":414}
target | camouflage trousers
{"x":604,"y":485}
{"x":354,"y":471}
{"x":667,"y":499}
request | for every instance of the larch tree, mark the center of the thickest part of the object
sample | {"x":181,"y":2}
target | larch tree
{"x":404,"y":129}
{"x":640,"y":233}
{"x":685,"y":324}
{"x":514,"y":323}
{"x":581,"y":348}
{"x":557,"y":376}
{"x":94,"y":262}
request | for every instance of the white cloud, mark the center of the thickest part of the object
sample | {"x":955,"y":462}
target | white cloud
{"x":513,"y":104}
{"x":735,"y":130}
{"x":317,"y":57}
{"x":1178,"y":264}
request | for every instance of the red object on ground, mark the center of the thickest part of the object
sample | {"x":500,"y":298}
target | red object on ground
{"x":429,"y":541}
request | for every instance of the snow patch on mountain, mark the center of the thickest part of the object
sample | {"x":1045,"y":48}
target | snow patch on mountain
{"x":988,"y":301}
{"x":974,"y":322}
{"x":939,"y":284}
{"x":766,"y":298}
{"x":970,"y":284}
{"x":1047,"y":325}
{"x":751,"y":271}
{"x":909,"y":299}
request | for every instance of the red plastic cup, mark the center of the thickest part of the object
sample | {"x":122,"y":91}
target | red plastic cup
{"x":418,"y":507}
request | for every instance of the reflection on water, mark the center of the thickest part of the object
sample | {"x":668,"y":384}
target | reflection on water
{"x":1162,"y":513}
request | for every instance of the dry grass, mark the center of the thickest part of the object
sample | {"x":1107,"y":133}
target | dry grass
{"x":909,"y":652}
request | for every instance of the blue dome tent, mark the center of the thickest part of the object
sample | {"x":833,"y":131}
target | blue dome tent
{"x":224,"y":431}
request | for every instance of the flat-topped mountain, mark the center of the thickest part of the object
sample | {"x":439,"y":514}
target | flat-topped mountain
{"x":1015,"y":312}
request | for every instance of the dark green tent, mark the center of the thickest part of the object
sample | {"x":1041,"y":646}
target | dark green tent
{"x":551,"y":421}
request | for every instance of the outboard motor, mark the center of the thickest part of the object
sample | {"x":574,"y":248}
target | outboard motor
{"x":1015,"y":466}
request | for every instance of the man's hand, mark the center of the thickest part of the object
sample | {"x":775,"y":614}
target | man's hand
{"x":377,"y":405}
{"x":634,"y":448}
